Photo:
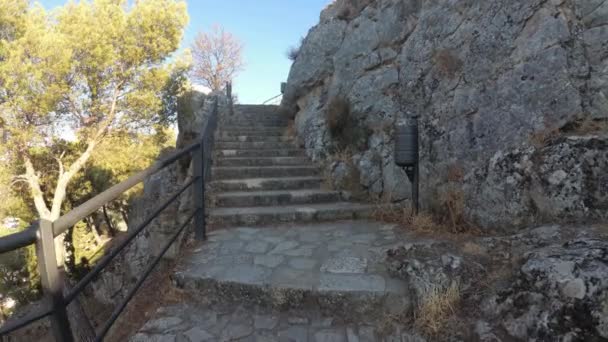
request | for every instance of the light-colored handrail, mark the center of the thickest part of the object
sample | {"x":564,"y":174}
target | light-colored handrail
{"x":92,"y":205}
{"x":272,"y":98}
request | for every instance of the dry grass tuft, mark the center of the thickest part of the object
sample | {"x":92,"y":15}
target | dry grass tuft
{"x":542,"y":138}
{"x":425,"y":222}
{"x":290,"y":131}
{"x":593,"y":126}
{"x":436,"y":309}
{"x":447,"y":62}
{"x":473,"y":248}
{"x":337,"y":114}
{"x":455,"y":173}
{"x":422,"y":222}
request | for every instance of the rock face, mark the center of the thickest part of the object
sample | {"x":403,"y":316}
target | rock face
{"x":505,"y":91}
{"x":559,"y":294}
{"x":543,"y":284}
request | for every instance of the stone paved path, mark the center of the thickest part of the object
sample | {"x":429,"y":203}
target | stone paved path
{"x":197,"y":323}
{"x":298,"y":264}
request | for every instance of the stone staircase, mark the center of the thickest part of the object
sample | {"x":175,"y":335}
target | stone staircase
{"x":285,"y":259}
{"x":262,"y":177}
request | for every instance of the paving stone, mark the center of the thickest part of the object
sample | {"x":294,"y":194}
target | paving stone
{"x":333,"y":335}
{"x":153,"y":338}
{"x":271,"y":261}
{"x":297,"y":320}
{"x":351,"y":335}
{"x":302,"y":263}
{"x":294,"y":334}
{"x":322,"y":322}
{"x":302,"y":251}
{"x":284,"y":246}
{"x":265,"y":322}
{"x":344,"y":265}
{"x":295,"y":279}
{"x":235,"y":332}
{"x":351,"y":282}
{"x":231,"y":247}
{"x":257,"y":247}
{"x":163,"y":325}
{"x":246,"y":274}
{"x":367,"y":334}
{"x":197,"y":334}
{"x":265,"y":337}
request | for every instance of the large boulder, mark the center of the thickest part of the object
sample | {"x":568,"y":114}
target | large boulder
{"x":496,"y":83}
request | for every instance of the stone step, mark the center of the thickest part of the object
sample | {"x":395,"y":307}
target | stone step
{"x":258,"y":123}
{"x":224,"y":172}
{"x":261,"y":153}
{"x":255,"y":138}
{"x":241,"y":127}
{"x":250,"y":133}
{"x":262,"y":161}
{"x":276,"y":198}
{"x":252,"y":145}
{"x":336,"y":268}
{"x":290,"y":213}
{"x":256,"y":184}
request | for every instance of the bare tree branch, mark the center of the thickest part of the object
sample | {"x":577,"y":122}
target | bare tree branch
{"x":34,"y":182}
{"x":217,"y":57}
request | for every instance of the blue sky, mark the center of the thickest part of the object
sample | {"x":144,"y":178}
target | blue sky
{"x":266,"y":27}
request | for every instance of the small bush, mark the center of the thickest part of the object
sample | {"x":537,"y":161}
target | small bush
{"x":337,"y":114}
{"x":436,"y":309}
{"x":453,"y":203}
{"x":344,"y":126}
{"x":292,"y":53}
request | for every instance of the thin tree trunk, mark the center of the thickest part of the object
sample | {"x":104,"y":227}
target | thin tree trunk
{"x":111,"y":229}
{"x":93,"y":226}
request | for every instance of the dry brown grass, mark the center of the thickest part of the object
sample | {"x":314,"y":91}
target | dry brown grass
{"x":422,"y":222}
{"x":542,"y":138}
{"x":337,"y":114}
{"x":455,"y":173}
{"x":425,"y":222}
{"x":473,"y":248}
{"x":290,"y":131}
{"x":448,"y":62}
{"x":589,"y":126}
{"x":436,"y":309}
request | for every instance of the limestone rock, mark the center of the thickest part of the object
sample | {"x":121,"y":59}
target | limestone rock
{"x":560,"y":293}
{"x":494,"y":83}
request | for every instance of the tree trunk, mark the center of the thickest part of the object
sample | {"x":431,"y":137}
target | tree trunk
{"x":111,"y":230}
{"x":93,"y":226}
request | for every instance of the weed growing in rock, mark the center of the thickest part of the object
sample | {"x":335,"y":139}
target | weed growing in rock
{"x":436,"y":308}
{"x":542,"y":138}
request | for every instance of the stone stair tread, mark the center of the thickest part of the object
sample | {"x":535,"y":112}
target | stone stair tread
{"x":274,"y":192}
{"x":262,"y":161}
{"x":262,"y":158}
{"x":265,"y":179}
{"x":270,"y":183}
{"x":289,"y":208}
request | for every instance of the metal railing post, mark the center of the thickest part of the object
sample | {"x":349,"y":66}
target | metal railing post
{"x":199,"y":192}
{"x":52,"y":284}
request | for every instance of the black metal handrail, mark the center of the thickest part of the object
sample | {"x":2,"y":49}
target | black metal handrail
{"x":42,"y":234}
